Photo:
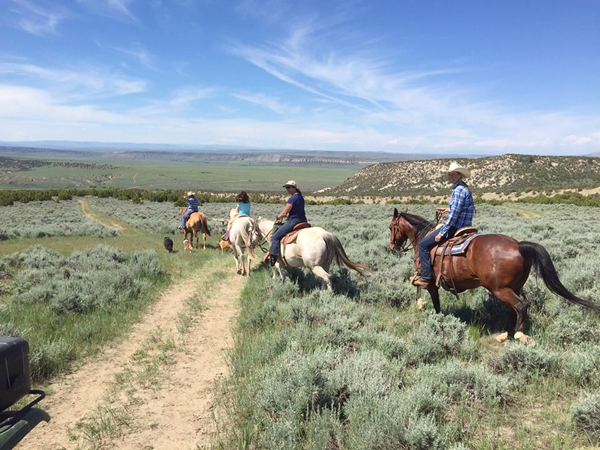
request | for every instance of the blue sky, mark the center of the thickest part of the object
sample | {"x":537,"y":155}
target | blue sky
{"x":397,"y":76}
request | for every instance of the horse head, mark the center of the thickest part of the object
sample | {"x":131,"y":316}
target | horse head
{"x":398,"y":231}
{"x":261,"y":230}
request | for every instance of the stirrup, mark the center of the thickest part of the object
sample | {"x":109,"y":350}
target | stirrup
{"x":419,"y":281}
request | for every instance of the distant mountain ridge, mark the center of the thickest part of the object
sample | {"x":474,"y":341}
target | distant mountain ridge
{"x":291,"y":157}
{"x":501,"y":174}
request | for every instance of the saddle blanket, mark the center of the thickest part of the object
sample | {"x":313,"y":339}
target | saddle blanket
{"x":458,"y":249}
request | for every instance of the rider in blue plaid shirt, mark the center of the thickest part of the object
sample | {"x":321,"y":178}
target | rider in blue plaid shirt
{"x":461,"y":215}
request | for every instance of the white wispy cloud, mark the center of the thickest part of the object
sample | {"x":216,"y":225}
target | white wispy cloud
{"x":115,"y":9}
{"x":40,"y":105}
{"x":81,"y":82}
{"x":34,"y":19}
{"x":143,"y":56}
{"x":272,"y":103}
{"x":188,"y":95}
{"x":415,"y":106}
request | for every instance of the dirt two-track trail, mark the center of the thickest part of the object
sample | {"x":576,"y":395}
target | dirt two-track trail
{"x":179,"y":414}
{"x":174,"y":409}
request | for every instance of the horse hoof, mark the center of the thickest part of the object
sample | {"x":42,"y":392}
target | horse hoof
{"x":524,"y":338}
{"x":239,"y":272}
{"x":421,"y":304}
{"x":501,"y":337}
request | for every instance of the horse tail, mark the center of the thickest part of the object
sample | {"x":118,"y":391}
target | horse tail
{"x":537,"y":256}
{"x":332,"y":242}
{"x":204,"y":223}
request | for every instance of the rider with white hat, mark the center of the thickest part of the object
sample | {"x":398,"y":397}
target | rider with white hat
{"x":462,"y":210}
{"x":192,"y":201}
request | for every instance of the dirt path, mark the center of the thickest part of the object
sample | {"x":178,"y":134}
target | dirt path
{"x":178,"y":414}
{"x":524,"y":212}
{"x":108,"y":222}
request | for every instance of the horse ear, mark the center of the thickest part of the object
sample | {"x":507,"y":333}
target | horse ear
{"x":395,"y":212}
{"x":405,"y":211}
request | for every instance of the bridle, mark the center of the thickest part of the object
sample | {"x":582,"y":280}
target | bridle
{"x":407,"y":243}
{"x":397,"y":230}
{"x":262,"y":238}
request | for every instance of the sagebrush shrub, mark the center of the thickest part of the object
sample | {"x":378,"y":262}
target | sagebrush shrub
{"x":586,"y":414}
{"x":97,"y":278}
{"x":526,"y":361}
{"x":438,"y":337}
{"x":45,"y":219}
{"x":461,"y":382}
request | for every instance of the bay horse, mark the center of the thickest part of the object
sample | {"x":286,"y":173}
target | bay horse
{"x":196,"y":223}
{"x":497,"y":262}
{"x":314,"y":248}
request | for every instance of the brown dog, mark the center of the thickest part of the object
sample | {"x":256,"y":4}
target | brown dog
{"x":187,"y":245}
{"x":224,"y":245}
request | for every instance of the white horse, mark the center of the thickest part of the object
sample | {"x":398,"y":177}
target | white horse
{"x":314,"y":248}
{"x":239,"y":238}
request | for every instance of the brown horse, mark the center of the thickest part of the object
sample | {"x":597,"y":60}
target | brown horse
{"x":195,"y":224}
{"x":495,"y":261}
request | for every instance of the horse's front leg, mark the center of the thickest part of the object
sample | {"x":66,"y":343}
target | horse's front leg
{"x":278,"y":267}
{"x":435,"y":296}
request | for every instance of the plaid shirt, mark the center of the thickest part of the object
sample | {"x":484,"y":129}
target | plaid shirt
{"x":462,"y":208}
{"x":192,"y":203}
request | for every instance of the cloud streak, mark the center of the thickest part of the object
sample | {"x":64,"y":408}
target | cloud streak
{"x":83,"y":82}
{"x":114,"y":9}
{"x":36,"y":20}
{"x":272,"y":103}
{"x":426,"y":102}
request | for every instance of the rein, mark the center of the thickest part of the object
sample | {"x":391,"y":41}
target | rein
{"x":263,"y":239}
{"x":408,"y":243}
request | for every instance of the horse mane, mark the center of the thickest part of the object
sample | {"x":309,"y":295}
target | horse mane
{"x":421,"y":225}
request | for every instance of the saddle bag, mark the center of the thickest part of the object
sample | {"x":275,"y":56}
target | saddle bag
{"x":15,"y":381}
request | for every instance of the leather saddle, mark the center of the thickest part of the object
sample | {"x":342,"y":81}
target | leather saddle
{"x":456,"y":246}
{"x":291,"y":236}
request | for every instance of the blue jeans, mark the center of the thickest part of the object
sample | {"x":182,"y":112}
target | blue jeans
{"x":425,"y":246}
{"x":186,"y":216}
{"x":280,"y":234}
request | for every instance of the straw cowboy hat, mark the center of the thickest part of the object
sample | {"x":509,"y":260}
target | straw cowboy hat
{"x":290,"y":183}
{"x":190,"y":193}
{"x":455,"y":167}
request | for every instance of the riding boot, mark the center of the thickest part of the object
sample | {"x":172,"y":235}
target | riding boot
{"x":273,"y":260}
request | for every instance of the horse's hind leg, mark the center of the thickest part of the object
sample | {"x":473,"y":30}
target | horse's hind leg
{"x":508,"y":296}
{"x":203,"y":241}
{"x":321,"y":273}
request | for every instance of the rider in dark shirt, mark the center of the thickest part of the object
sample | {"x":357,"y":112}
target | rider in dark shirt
{"x":294,"y":211}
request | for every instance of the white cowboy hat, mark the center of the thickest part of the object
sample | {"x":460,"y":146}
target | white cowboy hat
{"x":190,"y":193}
{"x":290,"y":183}
{"x":455,"y":167}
